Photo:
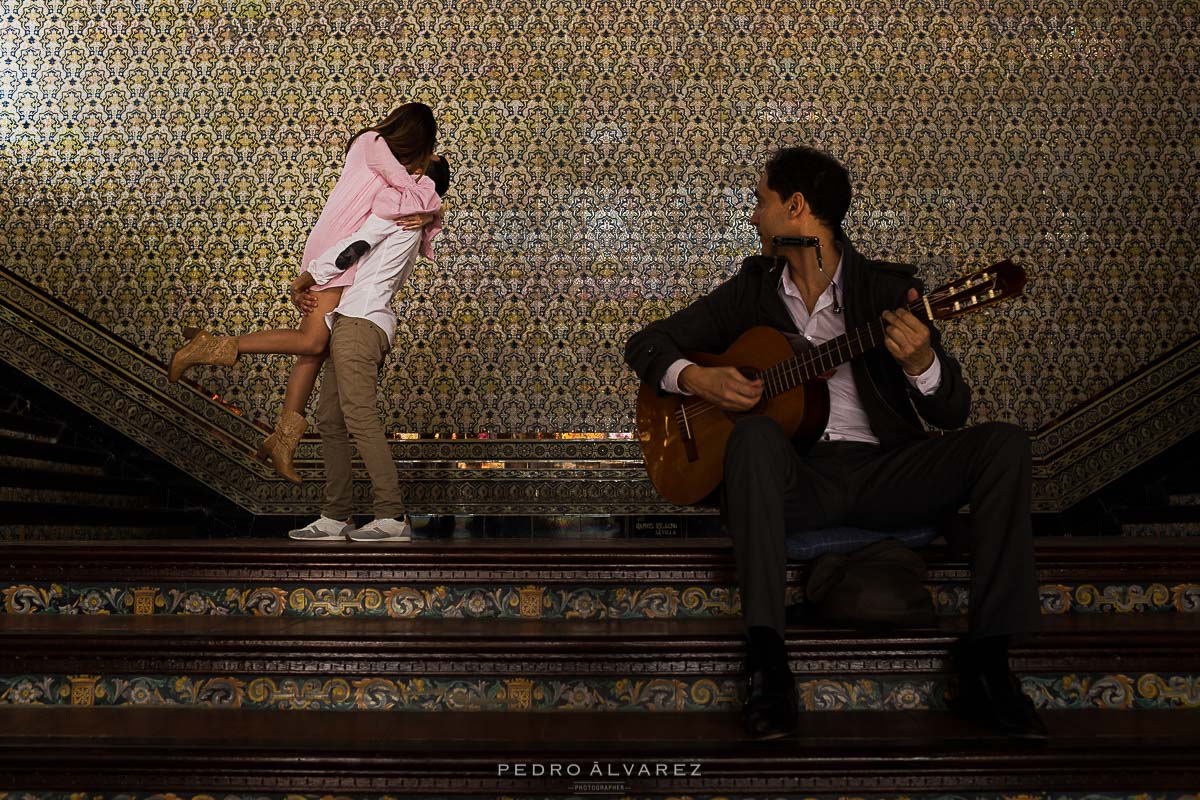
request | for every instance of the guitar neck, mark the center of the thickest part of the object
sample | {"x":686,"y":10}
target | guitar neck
{"x":787,"y":375}
{"x":998,"y":283}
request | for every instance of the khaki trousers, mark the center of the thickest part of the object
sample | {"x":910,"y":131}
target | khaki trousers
{"x":348,"y":408}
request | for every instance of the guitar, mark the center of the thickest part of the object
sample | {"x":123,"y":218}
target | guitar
{"x":683,"y":438}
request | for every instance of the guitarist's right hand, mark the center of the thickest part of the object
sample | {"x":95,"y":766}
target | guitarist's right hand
{"x":724,"y":387}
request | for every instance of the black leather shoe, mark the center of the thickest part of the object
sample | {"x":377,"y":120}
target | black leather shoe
{"x":995,"y":699}
{"x":771,"y":710}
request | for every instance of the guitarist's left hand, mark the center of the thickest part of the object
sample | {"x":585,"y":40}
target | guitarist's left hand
{"x":907,"y":338}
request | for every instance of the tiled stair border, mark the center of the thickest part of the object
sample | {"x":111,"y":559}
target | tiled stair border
{"x":526,"y":579}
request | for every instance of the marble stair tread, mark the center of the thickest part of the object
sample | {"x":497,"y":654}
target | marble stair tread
{"x":12,"y":447}
{"x":531,"y":560}
{"x":21,"y":426}
{"x":85,"y":512}
{"x":367,"y":646}
{"x":11,"y":477}
{"x":1165,"y":514}
{"x":461,"y":753}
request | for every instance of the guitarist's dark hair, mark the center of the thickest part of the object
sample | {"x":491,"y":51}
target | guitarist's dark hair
{"x":818,"y":176}
{"x":439,"y":173}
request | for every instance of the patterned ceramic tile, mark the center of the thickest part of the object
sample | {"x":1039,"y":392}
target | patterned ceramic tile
{"x":517,"y":601}
{"x":506,"y":601}
{"x":774,"y":796}
{"x":868,"y":693}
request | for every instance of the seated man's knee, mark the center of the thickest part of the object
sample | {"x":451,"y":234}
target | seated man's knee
{"x":752,"y":435}
{"x":1007,"y":441}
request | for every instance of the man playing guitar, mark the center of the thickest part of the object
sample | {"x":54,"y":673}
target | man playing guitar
{"x":873,"y":466}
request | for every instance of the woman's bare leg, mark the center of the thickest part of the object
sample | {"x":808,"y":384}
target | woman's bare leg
{"x":308,"y":364}
{"x":310,"y":339}
{"x":301,"y":382}
{"x":309,"y":343}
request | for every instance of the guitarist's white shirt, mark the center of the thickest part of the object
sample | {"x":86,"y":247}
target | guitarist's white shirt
{"x":847,"y":419}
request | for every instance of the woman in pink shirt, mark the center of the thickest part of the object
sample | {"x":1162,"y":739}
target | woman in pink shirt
{"x":384,"y":176}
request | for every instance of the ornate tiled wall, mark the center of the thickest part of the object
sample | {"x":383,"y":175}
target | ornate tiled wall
{"x":162,"y":162}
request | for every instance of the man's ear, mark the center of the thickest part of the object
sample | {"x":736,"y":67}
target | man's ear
{"x":796,"y":205}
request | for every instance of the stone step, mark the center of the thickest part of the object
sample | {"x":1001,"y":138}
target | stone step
{"x":1163,"y":519}
{"x":24,"y":521}
{"x":21,"y":426}
{"x":43,"y":488}
{"x":1076,"y":662}
{"x":37,"y":455}
{"x":486,"y":754}
{"x":526,"y":579}
{"x":1173,"y":520}
{"x":1161,"y":529}
{"x":1166,"y":513}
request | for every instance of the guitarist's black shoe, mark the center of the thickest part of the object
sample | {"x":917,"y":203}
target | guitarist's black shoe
{"x":989,"y":694}
{"x":771,"y":710}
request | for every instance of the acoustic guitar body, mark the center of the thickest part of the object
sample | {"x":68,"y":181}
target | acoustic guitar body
{"x":683,"y":438}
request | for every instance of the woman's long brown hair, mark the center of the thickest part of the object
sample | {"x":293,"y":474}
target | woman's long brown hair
{"x":410,"y":132}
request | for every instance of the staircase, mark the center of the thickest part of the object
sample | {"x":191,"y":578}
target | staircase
{"x":554,"y":668}
{"x":1162,"y":498}
{"x":156,"y":641}
{"x":1159,"y":499}
{"x":53,"y":487}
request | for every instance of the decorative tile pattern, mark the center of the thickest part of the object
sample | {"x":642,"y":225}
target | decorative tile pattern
{"x":512,"y":601}
{"x":627,"y":796}
{"x":861,"y":693}
{"x":638,"y":146}
{"x":521,"y":601}
{"x":201,"y":142}
{"x":1161,"y":529}
{"x":1121,"y":599}
{"x":1148,"y":691}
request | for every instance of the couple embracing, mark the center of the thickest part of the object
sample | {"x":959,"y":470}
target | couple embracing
{"x":383,"y":211}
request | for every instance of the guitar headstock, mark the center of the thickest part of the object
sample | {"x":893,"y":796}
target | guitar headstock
{"x":973,"y":292}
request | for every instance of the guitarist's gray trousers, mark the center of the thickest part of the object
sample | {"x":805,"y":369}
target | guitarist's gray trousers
{"x":771,"y":489}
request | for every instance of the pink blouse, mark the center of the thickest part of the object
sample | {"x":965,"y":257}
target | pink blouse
{"x":372,"y":181}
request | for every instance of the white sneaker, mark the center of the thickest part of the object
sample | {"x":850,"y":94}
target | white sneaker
{"x":383,"y":530}
{"x":323,"y":529}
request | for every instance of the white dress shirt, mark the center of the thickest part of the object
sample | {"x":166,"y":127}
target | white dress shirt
{"x":381,"y":272}
{"x":847,"y":418}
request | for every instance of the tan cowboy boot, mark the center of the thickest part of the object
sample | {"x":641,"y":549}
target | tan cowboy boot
{"x":203,"y":349}
{"x":279,"y":447}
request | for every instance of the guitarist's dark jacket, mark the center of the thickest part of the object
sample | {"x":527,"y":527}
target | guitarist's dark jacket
{"x":751,"y":298}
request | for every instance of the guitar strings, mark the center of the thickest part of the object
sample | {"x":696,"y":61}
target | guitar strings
{"x":691,"y":409}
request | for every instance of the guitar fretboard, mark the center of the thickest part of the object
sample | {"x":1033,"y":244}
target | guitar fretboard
{"x":787,"y":375}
